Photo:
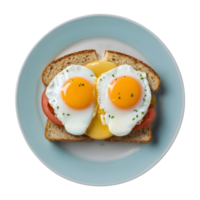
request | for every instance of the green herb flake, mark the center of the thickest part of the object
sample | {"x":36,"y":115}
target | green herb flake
{"x":53,"y":100}
{"x":143,"y":113}
{"x":124,"y":76}
{"x":143,"y":99}
{"x":133,"y":119}
{"x":79,"y":85}
{"x":100,"y":79}
{"x":140,"y":74}
{"x":63,"y":113}
{"x":57,"y":107}
{"x":103,"y":77}
{"x":68,"y":114}
{"x":62,"y":73}
{"x":145,"y":90}
{"x":135,"y":110}
{"x":113,"y":75}
{"x":136,"y":115}
{"x":118,"y":92}
{"x":67,"y":70}
{"x":108,"y":115}
{"x":141,"y":78}
{"x":71,"y":79}
{"x":119,"y":97}
{"x":91,"y":75}
{"x":145,"y":95}
{"x":112,"y":117}
{"x":131,"y":95}
{"x":82,"y":84}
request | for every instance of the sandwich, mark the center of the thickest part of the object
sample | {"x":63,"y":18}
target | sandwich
{"x":88,"y":99}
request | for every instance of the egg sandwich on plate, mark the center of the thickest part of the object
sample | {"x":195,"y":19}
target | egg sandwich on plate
{"x":87,"y":99}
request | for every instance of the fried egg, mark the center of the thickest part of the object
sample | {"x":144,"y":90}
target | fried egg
{"x":124,"y":96}
{"x":72,"y":95}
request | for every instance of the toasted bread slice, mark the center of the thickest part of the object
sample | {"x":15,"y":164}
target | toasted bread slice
{"x":54,"y":132}
{"x":121,"y":59}
{"x":77,"y":58}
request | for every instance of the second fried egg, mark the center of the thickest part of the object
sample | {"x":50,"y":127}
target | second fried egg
{"x":124,"y":96}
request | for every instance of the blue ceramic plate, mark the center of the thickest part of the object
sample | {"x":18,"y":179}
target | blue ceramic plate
{"x":100,"y":163}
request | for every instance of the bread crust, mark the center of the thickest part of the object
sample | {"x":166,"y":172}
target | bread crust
{"x":136,"y":61}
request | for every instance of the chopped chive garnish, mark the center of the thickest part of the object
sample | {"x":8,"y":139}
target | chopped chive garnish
{"x":63,"y":113}
{"x":143,"y":99}
{"x":62,"y":73}
{"x":79,"y":85}
{"x":72,"y":79}
{"x":108,"y":115}
{"x":119,"y":97}
{"x":141,"y":78}
{"x":57,"y":107}
{"x":145,"y":90}
{"x":113,"y":75}
{"x":118,"y":92}
{"x":131,"y":95}
{"x":133,"y":119}
{"x":67,"y":70}
{"x":140,"y":74}
{"x":91,"y":75}
{"x":145,"y":95}
{"x":103,"y":77}
{"x":82,"y":84}
{"x":143,"y":113}
{"x":136,"y":115}
{"x":100,"y":79}
{"x":112,"y":117}
{"x":53,"y":100}
{"x":68,"y":114}
{"x":135,"y":110}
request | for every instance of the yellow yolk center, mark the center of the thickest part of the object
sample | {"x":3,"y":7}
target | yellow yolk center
{"x":78,"y":93}
{"x":124,"y":92}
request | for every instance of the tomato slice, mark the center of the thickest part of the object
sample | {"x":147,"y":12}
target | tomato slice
{"x":149,"y":117}
{"x":48,"y":110}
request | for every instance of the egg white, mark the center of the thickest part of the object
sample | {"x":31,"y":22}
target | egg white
{"x":75,"y":121}
{"x":121,"y":121}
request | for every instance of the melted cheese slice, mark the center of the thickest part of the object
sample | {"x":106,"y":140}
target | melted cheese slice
{"x":97,"y":130}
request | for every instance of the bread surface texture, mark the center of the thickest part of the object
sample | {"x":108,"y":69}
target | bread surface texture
{"x":54,"y":132}
{"x":77,"y":58}
{"x":139,"y":135}
{"x":121,"y":59}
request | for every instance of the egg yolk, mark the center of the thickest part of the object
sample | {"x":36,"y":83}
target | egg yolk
{"x":124,"y":92}
{"x":78,"y":93}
